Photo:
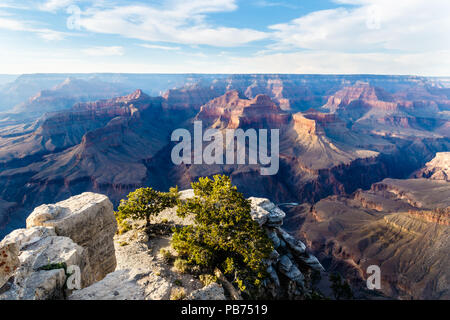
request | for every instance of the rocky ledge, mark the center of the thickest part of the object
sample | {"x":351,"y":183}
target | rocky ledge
{"x":290,"y":256}
{"x":35,"y":262}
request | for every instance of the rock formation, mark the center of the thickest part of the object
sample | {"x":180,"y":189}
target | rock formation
{"x":232,"y":111}
{"x":290,"y":258}
{"x":213,"y":291}
{"x":361,"y":95}
{"x":76,"y":232}
{"x":43,"y":258}
{"x":89,"y":221}
{"x":368,"y":107}
{"x":436,"y":169}
{"x":402,"y":226}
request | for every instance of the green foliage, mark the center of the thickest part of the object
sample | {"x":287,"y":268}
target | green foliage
{"x":207,"y":279}
{"x":54,"y":266}
{"x":341,"y":288}
{"x":178,"y":294}
{"x":124,"y":225}
{"x":145,"y":202}
{"x":181,"y":265}
{"x":224,"y":234}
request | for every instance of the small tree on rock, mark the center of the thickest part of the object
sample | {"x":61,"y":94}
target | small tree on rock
{"x":144,"y":203}
{"x":224,"y":235}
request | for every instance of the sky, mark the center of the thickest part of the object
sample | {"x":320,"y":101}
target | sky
{"x":408,"y":37}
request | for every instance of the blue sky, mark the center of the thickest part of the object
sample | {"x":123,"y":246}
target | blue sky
{"x":226,"y":36}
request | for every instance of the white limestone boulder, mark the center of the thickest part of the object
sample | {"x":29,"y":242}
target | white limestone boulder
{"x":266,"y":212}
{"x":43,"y":261}
{"x":88,"y":219}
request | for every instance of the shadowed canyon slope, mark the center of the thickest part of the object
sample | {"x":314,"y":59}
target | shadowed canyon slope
{"x":402,"y":226}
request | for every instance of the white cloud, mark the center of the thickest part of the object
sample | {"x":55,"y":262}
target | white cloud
{"x":271,"y":3}
{"x":371,"y":26}
{"x":11,"y":24}
{"x":48,"y":34}
{"x":326,"y":62}
{"x":54,"y":5}
{"x":9,"y":5}
{"x":17,"y":25}
{"x":177,"y":22}
{"x":361,"y":36}
{"x":202,"y":6}
{"x":159,"y":47}
{"x":104,"y":51}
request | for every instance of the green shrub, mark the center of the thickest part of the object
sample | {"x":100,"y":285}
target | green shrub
{"x":224,"y":235}
{"x":178,"y":294}
{"x":145,"y":202}
{"x":207,"y":279}
{"x":122,"y":223}
{"x":181,"y":265}
{"x":54,"y":266}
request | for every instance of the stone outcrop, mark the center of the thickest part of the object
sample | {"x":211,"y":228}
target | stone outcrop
{"x":43,"y":257}
{"x":212,"y":291}
{"x":266,"y":213}
{"x":39,"y":260}
{"x":126,"y":284}
{"x":290,"y":258}
{"x":141,"y":272}
{"x":437,"y":169}
{"x":88,"y":220}
{"x":190,"y":97}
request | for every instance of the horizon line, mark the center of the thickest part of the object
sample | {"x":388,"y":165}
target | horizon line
{"x":224,"y":74}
